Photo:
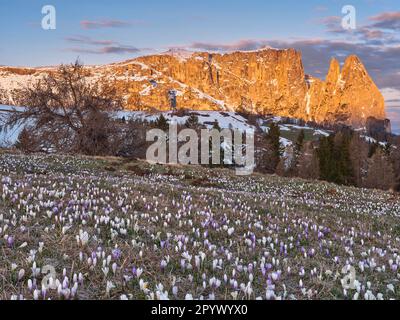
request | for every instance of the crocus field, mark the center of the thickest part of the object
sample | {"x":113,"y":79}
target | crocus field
{"x":117,"y":229}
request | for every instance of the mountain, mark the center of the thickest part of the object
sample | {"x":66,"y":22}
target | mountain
{"x":266,"y":81}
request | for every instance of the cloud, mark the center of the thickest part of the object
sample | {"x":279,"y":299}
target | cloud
{"x":98,"y":24}
{"x":379,"y":30}
{"x":321,"y":8}
{"x":332,"y":24}
{"x":394,"y":115}
{"x":245,"y":45}
{"x":89,"y":45}
{"x":392,"y":96}
{"x":89,"y":41}
{"x":117,"y":49}
{"x":387,"y":20}
{"x":381,"y":61}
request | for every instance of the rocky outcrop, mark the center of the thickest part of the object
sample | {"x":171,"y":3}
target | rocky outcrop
{"x":347,"y":96}
{"x":266,"y":81}
{"x":378,"y":129}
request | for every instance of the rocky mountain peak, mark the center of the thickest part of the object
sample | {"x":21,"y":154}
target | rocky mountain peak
{"x":266,"y":81}
{"x":334,"y":72}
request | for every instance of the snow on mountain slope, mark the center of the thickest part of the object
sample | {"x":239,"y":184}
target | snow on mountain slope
{"x":8,"y":135}
{"x":266,"y":81}
{"x":226,"y":120}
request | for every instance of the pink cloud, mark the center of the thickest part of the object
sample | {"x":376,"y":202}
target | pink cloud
{"x":98,"y":24}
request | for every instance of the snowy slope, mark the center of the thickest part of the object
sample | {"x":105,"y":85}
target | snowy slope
{"x":226,"y":120}
{"x":8,"y":136}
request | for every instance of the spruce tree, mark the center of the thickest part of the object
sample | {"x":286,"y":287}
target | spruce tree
{"x":162,"y":123}
{"x":325,"y":156}
{"x":359,"y":150}
{"x":299,"y":142}
{"x":192,"y":122}
{"x":381,"y":173}
{"x":275,"y":148}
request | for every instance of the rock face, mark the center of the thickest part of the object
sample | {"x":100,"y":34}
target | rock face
{"x":348,"y":96}
{"x":378,"y":129}
{"x":266,"y":81}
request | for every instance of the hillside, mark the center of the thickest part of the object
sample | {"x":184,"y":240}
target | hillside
{"x":118,"y":229}
{"x":264,"y":82}
{"x":226,"y":120}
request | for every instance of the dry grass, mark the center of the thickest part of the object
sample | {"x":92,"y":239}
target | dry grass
{"x":191,"y":231}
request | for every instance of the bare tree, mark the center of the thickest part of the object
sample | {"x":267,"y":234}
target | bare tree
{"x":27,"y":142}
{"x":381,"y":174}
{"x":67,"y":111}
{"x":308,"y":163}
{"x":2,"y":96}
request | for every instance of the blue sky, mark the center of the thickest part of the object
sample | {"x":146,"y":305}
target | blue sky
{"x":104,"y":31}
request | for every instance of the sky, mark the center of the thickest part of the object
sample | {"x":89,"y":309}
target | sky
{"x":102,"y":31}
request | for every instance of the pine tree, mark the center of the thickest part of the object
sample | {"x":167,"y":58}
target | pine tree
{"x":221,"y":158}
{"x":326,"y":159}
{"x":387,"y":149}
{"x":372,"y":149}
{"x":295,"y":154}
{"x":395,"y":160}
{"x":299,"y":142}
{"x":275,"y":149}
{"x":162,"y":123}
{"x":359,"y":150}
{"x":334,"y":159}
{"x":216,"y":125}
{"x":308,"y":163}
{"x":345,"y":167}
{"x":381,"y":174}
{"x":192,"y":122}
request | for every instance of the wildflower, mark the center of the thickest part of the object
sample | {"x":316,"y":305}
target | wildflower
{"x":74,"y":289}
{"x":116,"y":254}
{"x":83,"y":237}
{"x":114,"y":267}
{"x":270,"y":295}
{"x":139,"y":272}
{"x":163,"y":264}
{"x":188,"y":296}
{"x":23,"y":245}
{"x":10,"y":241}
{"x":109,"y":287}
{"x":143,"y":286}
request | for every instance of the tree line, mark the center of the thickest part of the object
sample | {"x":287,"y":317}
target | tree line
{"x":345,"y":157}
{"x":67,"y":114}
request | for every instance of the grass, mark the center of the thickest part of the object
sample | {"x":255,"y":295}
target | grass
{"x":114,"y":228}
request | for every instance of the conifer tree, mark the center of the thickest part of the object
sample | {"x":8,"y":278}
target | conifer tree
{"x":275,"y":149}
{"x":359,"y":150}
{"x":299,"y":142}
{"x":326,"y":159}
{"x":192,"y":122}
{"x":162,"y":123}
{"x":345,"y":167}
{"x":381,"y":174}
{"x":308,"y":163}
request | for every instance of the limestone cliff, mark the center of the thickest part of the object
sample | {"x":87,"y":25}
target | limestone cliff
{"x":347,"y":96}
{"x":265,"y":81}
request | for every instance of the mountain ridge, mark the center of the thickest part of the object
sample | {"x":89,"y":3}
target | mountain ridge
{"x":267,"y":81}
